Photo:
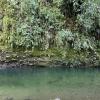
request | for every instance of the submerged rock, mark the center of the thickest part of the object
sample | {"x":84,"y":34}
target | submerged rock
{"x":57,"y":99}
{"x":9,"y":98}
{"x":27,"y":98}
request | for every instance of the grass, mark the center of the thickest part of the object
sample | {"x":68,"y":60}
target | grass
{"x":53,"y":52}
{"x":69,"y":54}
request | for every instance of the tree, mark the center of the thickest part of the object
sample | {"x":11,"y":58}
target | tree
{"x":70,"y":8}
{"x":89,"y":19}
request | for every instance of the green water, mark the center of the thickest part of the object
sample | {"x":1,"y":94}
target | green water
{"x":50,"y":83}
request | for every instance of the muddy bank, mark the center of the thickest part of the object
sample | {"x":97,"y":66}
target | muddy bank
{"x":24,"y":60}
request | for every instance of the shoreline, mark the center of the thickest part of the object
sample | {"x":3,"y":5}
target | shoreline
{"x":26,"y":60}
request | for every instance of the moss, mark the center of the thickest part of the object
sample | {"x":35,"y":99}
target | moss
{"x":53,"y":52}
{"x":72,"y":54}
{"x":40,"y":53}
{"x":69,"y":54}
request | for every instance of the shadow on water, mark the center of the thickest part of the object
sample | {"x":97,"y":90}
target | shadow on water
{"x":18,"y":77}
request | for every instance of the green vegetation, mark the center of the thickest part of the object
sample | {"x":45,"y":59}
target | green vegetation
{"x":50,"y":27}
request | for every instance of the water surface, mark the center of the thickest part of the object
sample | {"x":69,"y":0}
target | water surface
{"x":50,"y":83}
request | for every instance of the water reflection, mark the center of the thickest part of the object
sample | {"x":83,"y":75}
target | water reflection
{"x":50,"y":84}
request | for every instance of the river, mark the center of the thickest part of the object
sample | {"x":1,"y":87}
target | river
{"x":50,"y":84}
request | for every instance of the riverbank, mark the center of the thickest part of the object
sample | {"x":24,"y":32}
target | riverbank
{"x":9,"y":59}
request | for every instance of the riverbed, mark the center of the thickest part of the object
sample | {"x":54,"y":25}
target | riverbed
{"x":50,"y":84}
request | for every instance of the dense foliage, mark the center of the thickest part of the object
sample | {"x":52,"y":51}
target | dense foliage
{"x":70,"y":8}
{"x":41,"y":24}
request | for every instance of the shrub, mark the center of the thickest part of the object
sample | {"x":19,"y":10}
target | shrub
{"x":70,"y":8}
{"x":65,"y":38}
{"x":89,"y":19}
{"x":84,"y":43}
{"x":31,"y":25}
